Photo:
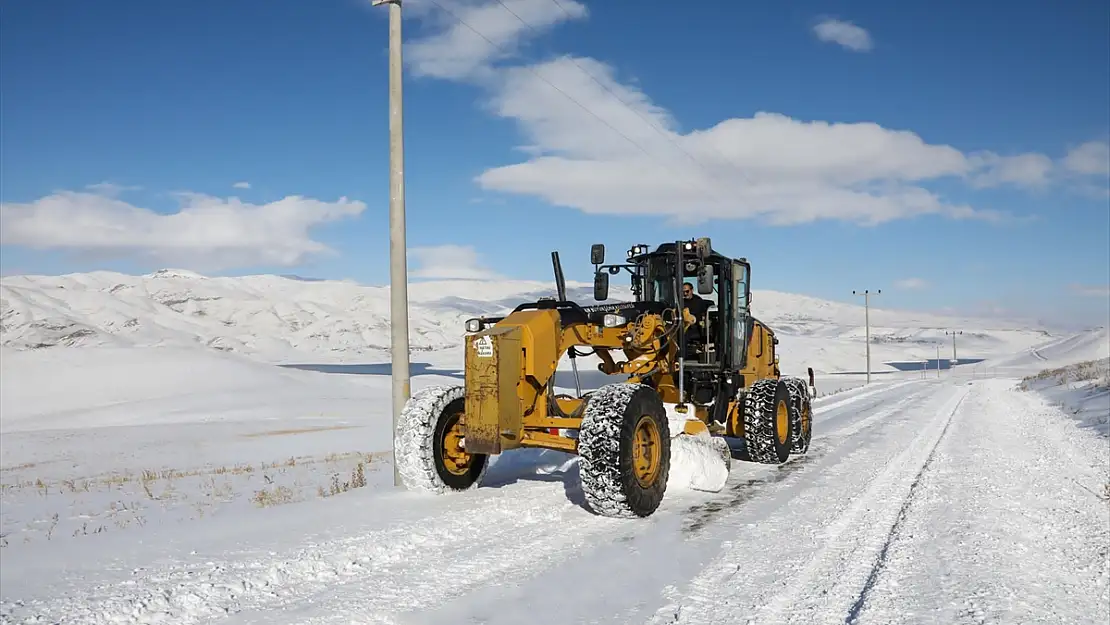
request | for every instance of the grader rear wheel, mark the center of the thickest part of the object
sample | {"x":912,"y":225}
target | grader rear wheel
{"x":624,"y":449}
{"x":767,"y":431}
{"x":801,"y":419}
{"x":804,"y":432}
{"x":429,"y":443}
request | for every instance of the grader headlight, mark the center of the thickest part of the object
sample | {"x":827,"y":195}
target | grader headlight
{"x":613,"y":321}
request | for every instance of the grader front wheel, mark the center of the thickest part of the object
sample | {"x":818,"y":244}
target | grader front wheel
{"x":454,"y":465}
{"x":429,"y":442}
{"x":624,"y":449}
{"x":647,"y":451}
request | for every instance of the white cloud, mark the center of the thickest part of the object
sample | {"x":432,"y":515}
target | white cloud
{"x":770,"y":165}
{"x":846,"y":34}
{"x":1102,"y":290}
{"x":1023,"y":170}
{"x":241,"y":185}
{"x":110,"y":189}
{"x":1086,"y":168}
{"x":911,"y":284}
{"x":475,"y":35}
{"x":450,"y":262}
{"x":1091,"y":158}
{"x":207,"y":233}
{"x":600,"y":145}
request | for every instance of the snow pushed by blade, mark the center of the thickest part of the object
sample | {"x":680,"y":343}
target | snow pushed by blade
{"x":699,"y":463}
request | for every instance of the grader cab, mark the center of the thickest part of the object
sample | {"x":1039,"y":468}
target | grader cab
{"x":715,"y":358}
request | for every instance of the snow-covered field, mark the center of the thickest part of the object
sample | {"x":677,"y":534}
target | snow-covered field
{"x":159,"y":464}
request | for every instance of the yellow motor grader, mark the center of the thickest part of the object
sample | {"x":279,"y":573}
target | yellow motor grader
{"x":721,"y":363}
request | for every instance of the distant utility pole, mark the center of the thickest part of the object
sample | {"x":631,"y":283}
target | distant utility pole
{"x":867,"y":325}
{"x":398,"y":270}
{"x":938,"y":361}
{"x":953,"y":333}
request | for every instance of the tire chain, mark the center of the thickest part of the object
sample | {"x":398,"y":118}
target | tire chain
{"x":759,"y":431}
{"x":413,"y":440}
{"x":599,"y":449}
{"x":799,"y":401}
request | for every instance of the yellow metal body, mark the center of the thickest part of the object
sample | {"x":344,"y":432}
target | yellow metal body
{"x":762,"y":360}
{"x":509,"y":369}
{"x":762,"y":363}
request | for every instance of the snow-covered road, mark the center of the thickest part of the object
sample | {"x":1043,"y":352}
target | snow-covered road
{"x":923,"y":501}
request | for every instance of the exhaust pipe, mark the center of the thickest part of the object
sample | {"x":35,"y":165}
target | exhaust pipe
{"x":561,"y":289}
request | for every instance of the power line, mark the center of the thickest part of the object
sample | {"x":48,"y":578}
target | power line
{"x":663,"y":133}
{"x":647,"y":121}
{"x":579,"y":104}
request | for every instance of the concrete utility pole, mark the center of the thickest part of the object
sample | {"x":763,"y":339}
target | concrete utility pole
{"x":398,"y":269}
{"x":867,"y":325}
{"x":954,"y":333}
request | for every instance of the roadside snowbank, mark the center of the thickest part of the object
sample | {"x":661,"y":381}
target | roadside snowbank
{"x":1081,"y":390}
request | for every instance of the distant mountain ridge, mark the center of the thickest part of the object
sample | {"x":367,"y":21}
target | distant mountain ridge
{"x":278,"y":318}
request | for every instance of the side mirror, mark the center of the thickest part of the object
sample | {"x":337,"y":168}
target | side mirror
{"x":601,"y":286}
{"x":704,"y":249}
{"x":705,"y":280}
{"x":810,"y":370}
{"x":597,"y":253}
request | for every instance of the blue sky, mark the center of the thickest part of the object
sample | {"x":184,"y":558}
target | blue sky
{"x":953,"y":156}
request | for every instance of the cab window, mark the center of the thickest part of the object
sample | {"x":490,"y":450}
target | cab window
{"x":740,"y":310}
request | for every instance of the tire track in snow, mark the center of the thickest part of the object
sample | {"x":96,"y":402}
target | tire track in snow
{"x":481,"y":557}
{"x":794,"y":565}
{"x":704,"y":514}
{"x":831,"y":402}
{"x":1027,"y":541}
{"x":626,"y":574}
{"x":880,"y":562}
{"x":483,"y":564}
{"x":502,"y":533}
{"x":836,"y":579}
{"x":855,"y":427}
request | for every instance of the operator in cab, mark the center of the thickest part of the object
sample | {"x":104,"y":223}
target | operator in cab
{"x":698,"y":307}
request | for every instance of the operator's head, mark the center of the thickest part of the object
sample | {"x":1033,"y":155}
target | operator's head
{"x":687,"y":291}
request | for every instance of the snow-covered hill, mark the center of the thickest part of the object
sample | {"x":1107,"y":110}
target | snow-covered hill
{"x":285,"y":319}
{"x":279,"y":319}
{"x":270,"y":317}
{"x":1080,"y":347}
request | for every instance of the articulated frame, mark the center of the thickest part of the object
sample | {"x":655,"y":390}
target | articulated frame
{"x":511,"y":367}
